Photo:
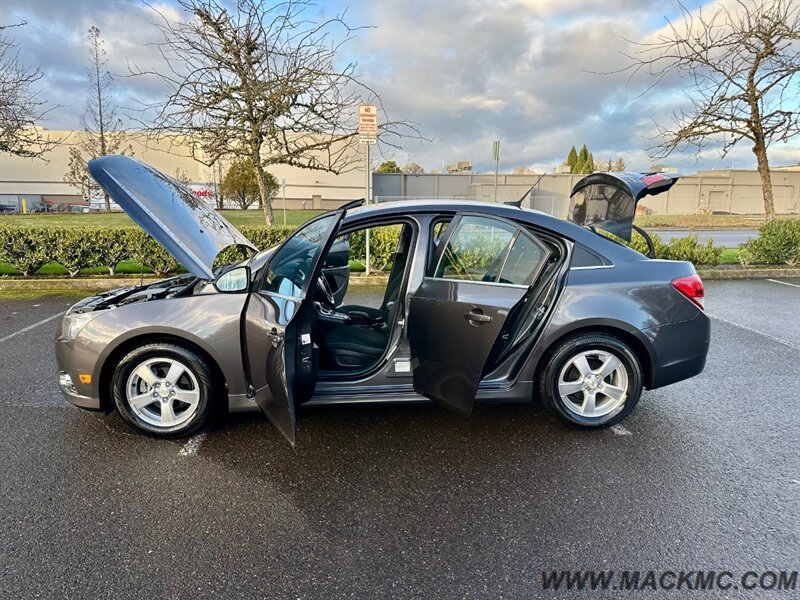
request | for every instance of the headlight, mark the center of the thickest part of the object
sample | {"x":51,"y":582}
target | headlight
{"x":73,"y":323}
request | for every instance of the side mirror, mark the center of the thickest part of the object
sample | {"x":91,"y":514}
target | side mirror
{"x":233,"y":281}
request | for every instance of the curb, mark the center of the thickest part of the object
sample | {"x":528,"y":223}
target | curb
{"x":100,"y":284}
{"x":751,"y":273}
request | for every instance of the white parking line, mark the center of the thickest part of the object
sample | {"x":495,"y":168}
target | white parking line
{"x":190,"y":447}
{"x":29,"y":327}
{"x":751,"y":330}
{"x":784,"y":283}
{"x":620,"y":430}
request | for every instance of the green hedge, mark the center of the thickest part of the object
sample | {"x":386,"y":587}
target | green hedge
{"x":778,"y":243}
{"x":382,"y":245}
{"x":687,"y":248}
{"x":27,"y":249}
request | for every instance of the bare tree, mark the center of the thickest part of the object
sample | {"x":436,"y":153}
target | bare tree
{"x":741,"y":60}
{"x":102,"y":130}
{"x":619,"y":165}
{"x":20,"y":105}
{"x":262,"y":82}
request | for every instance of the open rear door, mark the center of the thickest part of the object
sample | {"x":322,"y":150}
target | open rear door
{"x":279,"y":351}
{"x":484,"y":267}
{"x":607,"y":201}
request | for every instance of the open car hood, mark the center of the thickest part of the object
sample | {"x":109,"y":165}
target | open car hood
{"x":607,"y":201}
{"x":186,"y":227}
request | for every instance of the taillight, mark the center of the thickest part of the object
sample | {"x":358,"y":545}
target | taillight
{"x":691,"y":286}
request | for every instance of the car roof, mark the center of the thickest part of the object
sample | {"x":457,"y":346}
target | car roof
{"x":519,"y":214}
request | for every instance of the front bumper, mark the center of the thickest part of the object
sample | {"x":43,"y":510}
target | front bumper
{"x":72,"y":363}
{"x":72,"y":396}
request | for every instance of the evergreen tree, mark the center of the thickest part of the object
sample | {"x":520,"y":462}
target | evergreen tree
{"x":572,"y":159}
{"x":583,"y":155}
{"x":579,"y":166}
{"x":590,"y":164}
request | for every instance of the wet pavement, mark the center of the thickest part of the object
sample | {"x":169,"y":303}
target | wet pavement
{"x":407,"y":501}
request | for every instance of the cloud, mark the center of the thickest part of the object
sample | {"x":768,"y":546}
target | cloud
{"x":54,"y":38}
{"x":539,"y":76}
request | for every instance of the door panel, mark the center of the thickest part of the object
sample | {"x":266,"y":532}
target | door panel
{"x":483,"y":269}
{"x":453,"y":326}
{"x":277,"y":324}
{"x":268,"y":324}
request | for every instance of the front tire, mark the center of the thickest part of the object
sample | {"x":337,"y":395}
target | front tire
{"x":163,"y":390}
{"x":592,"y":380}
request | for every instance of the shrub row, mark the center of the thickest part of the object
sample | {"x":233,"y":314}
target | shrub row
{"x":687,"y":248}
{"x":27,"y":249}
{"x":778,"y":243}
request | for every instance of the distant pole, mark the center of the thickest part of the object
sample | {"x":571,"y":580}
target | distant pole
{"x":496,"y":153}
{"x":368,"y":169}
{"x":283,"y":184}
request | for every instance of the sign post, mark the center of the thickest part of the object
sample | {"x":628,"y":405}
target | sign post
{"x":368,"y":135}
{"x":283,"y":185}
{"x":496,"y":156}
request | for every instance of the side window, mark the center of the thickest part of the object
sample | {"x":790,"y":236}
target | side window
{"x":293,"y":262}
{"x":582,"y":258}
{"x":476,"y":250}
{"x":523,"y":261}
{"x":438,"y":232}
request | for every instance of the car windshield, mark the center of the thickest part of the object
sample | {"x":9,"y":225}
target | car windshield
{"x":290,"y":267}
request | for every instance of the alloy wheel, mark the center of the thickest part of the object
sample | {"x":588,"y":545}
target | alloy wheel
{"x":163,"y":392}
{"x":593,"y":383}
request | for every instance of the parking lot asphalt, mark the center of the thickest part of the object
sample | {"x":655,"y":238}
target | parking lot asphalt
{"x":407,"y":501}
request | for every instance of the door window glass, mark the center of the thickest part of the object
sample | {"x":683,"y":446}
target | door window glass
{"x":291,"y":266}
{"x":522,"y":262}
{"x":476,"y":249}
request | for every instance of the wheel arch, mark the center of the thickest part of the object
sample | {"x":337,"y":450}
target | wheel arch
{"x":112,"y":360}
{"x":638,"y":346}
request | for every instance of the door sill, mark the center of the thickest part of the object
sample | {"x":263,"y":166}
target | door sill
{"x":384,"y":397}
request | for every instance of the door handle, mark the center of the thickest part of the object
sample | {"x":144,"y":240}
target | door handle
{"x":477,"y":317}
{"x":275,"y":338}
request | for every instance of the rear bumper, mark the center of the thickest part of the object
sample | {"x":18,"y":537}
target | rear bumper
{"x":680,"y":350}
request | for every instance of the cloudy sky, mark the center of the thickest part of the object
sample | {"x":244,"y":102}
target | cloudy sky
{"x":526,"y":73}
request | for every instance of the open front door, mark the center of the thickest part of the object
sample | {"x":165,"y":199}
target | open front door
{"x":280,"y":354}
{"x":483,"y":268}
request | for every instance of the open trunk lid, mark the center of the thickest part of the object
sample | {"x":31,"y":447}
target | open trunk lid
{"x":607,"y":201}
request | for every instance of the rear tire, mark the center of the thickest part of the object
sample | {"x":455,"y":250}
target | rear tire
{"x":163,"y":390}
{"x":589,"y":381}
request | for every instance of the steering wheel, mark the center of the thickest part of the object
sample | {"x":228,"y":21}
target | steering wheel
{"x":324,"y":289}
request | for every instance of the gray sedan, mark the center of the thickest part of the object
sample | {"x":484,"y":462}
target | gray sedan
{"x":483,"y":302}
